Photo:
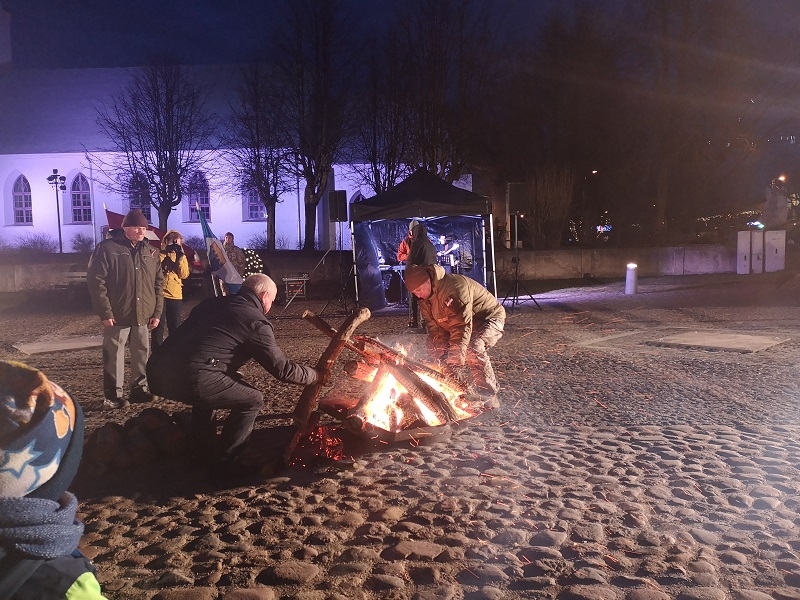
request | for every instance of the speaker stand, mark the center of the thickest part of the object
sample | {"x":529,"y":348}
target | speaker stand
{"x":340,"y":297}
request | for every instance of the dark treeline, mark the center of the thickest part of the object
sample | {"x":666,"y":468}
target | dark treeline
{"x":642,"y":113}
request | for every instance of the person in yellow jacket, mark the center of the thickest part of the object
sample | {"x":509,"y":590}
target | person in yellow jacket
{"x":175,"y":268}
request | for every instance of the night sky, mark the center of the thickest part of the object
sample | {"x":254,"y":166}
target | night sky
{"x":110,"y":33}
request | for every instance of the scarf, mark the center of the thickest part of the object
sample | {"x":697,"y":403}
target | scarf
{"x":39,"y":528}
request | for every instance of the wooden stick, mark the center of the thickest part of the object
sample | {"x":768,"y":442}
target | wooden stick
{"x":384,"y":353}
{"x":307,"y":403}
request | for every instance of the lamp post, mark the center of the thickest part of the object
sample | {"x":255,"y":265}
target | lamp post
{"x":59,"y":183}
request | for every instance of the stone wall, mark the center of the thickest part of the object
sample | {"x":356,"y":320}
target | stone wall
{"x":325,"y":272}
{"x":612,"y":262}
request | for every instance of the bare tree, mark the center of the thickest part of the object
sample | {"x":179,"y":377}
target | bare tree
{"x":161,"y":133}
{"x":255,"y":143}
{"x":382,"y":140}
{"x":447,"y":51}
{"x":709,"y":83}
{"x":550,"y":193}
{"x":315,"y":62}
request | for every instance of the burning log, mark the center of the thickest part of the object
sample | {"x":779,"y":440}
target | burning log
{"x":360,"y":370}
{"x":307,"y":404}
{"x":424,"y":392}
{"x":402,"y":400}
{"x":357,"y":417}
{"x":384,"y":353}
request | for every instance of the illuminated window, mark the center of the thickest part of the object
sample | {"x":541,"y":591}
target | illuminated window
{"x":255,"y":208}
{"x":23,"y":208}
{"x":198,"y":195}
{"x":139,"y":194}
{"x":81,"y":200}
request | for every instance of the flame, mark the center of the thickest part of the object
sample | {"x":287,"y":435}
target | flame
{"x":382,"y":409}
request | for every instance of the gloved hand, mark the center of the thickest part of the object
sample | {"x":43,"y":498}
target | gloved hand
{"x":177,"y":249}
{"x":453,"y":366}
{"x":323,"y":376}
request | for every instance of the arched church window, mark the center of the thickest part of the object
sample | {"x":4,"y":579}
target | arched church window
{"x":23,"y":206}
{"x":81,"y":199}
{"x":199,"y":196}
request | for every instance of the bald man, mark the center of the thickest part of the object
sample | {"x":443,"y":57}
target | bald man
{"x":199,"y":363}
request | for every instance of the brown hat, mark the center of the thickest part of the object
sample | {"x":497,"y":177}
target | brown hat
{"x":135,"y":218}
{"x":416,"y":276}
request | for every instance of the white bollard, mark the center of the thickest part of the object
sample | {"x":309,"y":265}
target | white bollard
{"x":631,"y":280}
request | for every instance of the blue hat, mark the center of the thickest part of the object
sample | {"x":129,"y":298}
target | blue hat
{"x":41,"y":434}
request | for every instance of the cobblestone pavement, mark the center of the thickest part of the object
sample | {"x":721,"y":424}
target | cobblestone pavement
{"x":613,"y":469}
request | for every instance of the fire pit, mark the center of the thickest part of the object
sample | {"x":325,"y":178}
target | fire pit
{"x":402,"y":399}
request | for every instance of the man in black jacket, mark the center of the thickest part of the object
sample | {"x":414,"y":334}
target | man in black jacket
{"x":199,"y":363}
{"x":422,"y":254}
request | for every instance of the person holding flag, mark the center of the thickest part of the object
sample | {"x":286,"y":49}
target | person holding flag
{"x":221,"y":266}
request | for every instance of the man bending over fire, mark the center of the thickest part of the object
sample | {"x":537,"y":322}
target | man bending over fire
{"x":464,"y":320}
{"x":199,"y":365}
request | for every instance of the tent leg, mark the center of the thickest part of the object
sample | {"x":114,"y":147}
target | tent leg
{"x":355,"y":265}
{"x":491,"y":250}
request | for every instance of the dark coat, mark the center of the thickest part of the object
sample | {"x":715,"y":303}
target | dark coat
{"x":422,"y":252}
{"x":220,"y":335}
{"x":69,"y":576}
{"x":126,"y":285}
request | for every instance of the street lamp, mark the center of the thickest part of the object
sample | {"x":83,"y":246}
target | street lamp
{"x":59,"y":183}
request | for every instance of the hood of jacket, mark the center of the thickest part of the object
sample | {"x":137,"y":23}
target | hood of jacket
{"x":419,"y":230}
{"x":167,"y":235}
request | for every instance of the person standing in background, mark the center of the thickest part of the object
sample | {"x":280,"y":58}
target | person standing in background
{"x":238,"y":260}
{"x":422,"y":253}
{"x":404,"y":249}
{"x":126,"y":285}
{"x":175,"y":268}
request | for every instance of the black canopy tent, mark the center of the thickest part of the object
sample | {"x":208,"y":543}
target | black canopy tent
{"x":379,"y":223}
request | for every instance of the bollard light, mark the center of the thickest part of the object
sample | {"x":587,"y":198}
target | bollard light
{"x":631,"y":280}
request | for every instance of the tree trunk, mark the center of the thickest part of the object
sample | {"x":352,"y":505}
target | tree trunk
{"x":311,"y":223}
{"x":270,"y":226}
{"x":163,"y":217}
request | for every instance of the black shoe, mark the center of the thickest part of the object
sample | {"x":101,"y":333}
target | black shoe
{"x":140,"y":396}
{"x":116,"y":403}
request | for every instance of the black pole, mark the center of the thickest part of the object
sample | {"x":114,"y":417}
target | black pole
{"x":58,"y":216}
{"x":57,"y":181}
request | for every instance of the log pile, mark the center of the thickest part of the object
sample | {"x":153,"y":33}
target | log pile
{"x":422,"y":398}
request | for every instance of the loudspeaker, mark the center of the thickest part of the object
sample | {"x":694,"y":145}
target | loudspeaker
{"x":337,"y":206}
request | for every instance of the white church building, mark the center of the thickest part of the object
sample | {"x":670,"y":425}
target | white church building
{"x":48,"y":123}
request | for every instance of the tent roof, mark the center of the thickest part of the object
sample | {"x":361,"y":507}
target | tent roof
{"x":421,"y":194}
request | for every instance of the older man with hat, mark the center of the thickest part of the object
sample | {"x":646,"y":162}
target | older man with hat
{"x":463,"y":320}
{"x":126,"y":286}
{"x":41,"y":442}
